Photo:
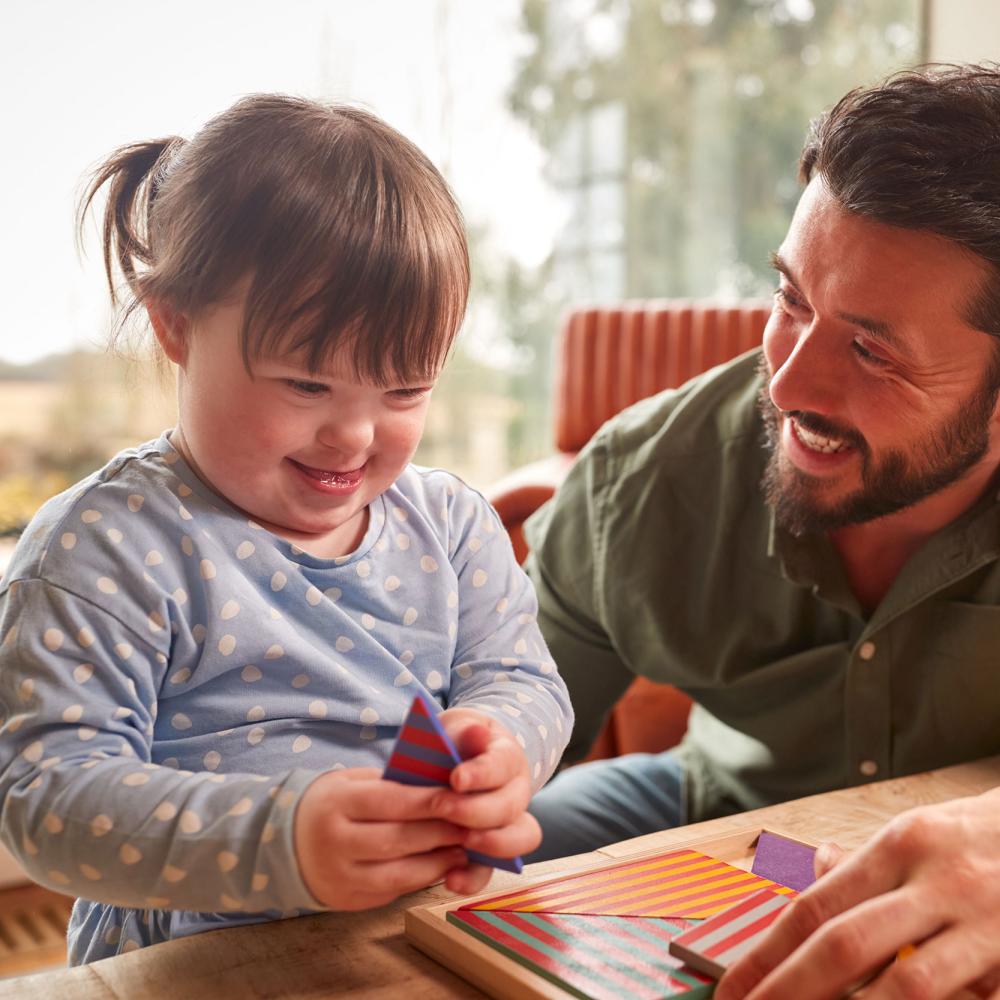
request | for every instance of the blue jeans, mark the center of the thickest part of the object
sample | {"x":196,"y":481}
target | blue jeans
{"x":595,"y":804}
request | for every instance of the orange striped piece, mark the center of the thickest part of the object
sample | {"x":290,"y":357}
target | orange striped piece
{"x":677,"y":884}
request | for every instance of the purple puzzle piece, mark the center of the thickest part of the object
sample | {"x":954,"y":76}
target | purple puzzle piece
{"x":784,"y":861}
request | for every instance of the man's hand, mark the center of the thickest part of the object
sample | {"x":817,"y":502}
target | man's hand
{"x":931,"y":878}
{"x":495,"y":788}
{"x":362,"y":841}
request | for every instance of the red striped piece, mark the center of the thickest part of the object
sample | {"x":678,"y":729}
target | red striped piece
{"x":598,"y":958}
{"x":424,"y":755}
{"x":717,"y":943}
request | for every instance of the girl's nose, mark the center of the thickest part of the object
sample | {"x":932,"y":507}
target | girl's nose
{"x":347,"y":435}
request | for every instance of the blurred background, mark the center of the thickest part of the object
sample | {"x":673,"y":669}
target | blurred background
{"x":601,"y":150}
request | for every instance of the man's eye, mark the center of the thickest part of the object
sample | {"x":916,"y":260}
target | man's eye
{"x":787,"y":298}
{"x":867,"y":356}
{"x":307,"y":388}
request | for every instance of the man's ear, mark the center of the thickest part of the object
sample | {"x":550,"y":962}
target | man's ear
{"x":171,"y":329}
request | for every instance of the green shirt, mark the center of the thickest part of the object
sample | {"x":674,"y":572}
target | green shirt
{"x":659,"y":557}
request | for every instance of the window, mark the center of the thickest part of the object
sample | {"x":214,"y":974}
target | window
{"x":601,"y":149}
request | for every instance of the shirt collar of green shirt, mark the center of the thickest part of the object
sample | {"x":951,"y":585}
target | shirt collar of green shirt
{"x":969,"y":542}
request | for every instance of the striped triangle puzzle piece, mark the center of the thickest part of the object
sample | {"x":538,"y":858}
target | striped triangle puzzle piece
{"x":424,"y":755}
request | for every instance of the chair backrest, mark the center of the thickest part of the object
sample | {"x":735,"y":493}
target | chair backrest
{"x":611,"y":358}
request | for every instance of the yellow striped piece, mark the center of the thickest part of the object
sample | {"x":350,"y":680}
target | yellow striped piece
{"x":677,"y":884}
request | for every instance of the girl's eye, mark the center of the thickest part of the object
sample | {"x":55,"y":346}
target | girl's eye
{"x":307,"y":388}
{"x":414,"y":393}
{"x":867,"y":356}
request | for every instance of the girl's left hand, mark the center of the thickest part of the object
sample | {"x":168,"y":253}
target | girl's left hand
{"x":495,"y":783}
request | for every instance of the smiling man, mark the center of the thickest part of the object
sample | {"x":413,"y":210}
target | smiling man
{"x":807,"y":541}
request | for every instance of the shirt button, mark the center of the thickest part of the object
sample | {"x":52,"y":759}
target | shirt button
{"x":866,"y":650}
{"x":868,"y":768}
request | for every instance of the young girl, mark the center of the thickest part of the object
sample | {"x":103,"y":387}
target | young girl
{"x":206,"y":647}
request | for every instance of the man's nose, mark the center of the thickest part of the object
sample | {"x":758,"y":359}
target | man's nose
{"x":806,"y":373}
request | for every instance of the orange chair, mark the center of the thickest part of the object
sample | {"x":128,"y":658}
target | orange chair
{"x":608,"y":359}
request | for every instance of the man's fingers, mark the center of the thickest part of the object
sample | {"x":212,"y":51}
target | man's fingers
{"x":842,"y":948}
{"x":827,"y":857}
{"x":942,"y":965}
{"x":987,"y":986}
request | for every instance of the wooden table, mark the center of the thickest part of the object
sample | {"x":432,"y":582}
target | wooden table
{"x":366,"y":954}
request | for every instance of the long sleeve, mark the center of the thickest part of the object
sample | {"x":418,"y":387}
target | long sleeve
{"x":173,"y":677}
{"x":501,"y":663}
{"x":84,"y":808}
{"x":566,"y":565}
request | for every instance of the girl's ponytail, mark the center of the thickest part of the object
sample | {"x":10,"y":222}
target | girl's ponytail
{"x":135,"y":173}
{"x":329,"y":226}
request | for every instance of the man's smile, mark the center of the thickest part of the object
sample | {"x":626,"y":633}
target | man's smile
{"x":819,"y":442}
{"x":817,"y":455}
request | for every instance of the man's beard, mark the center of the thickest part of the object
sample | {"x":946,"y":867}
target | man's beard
{"x":889,"y":483}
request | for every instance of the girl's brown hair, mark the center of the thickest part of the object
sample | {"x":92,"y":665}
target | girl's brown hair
{"x":343,"y":231}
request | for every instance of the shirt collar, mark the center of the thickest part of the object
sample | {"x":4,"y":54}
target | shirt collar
{"x":969,"y":542}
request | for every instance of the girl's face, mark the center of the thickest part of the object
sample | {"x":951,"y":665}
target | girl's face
{"x":302,"y":454}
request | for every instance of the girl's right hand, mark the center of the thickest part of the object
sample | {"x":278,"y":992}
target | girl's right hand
{"x":362,"y":841}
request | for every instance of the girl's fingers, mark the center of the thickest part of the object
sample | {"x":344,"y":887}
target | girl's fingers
{"x":468,"y":880}
{"x":486,"y":810}
{"x":501,"y":762}
{"x":389,"y":801}
{"x":473,"y":739}
{"x":520,"y":837}
{"x":367,"y":842}
{"x":385,"y":880}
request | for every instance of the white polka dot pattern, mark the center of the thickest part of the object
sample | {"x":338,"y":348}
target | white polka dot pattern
{"x":243,"y":656}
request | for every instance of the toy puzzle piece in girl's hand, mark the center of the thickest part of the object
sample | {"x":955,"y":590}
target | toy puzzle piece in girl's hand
{"x":424,"y":755}
{"x":713,"y":946}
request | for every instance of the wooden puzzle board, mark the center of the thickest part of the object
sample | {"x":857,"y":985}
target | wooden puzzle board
{"x":428,"y":928}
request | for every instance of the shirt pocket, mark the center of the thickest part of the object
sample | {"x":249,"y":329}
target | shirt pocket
{"x":969,"y":633}
{"x":946,"y":689}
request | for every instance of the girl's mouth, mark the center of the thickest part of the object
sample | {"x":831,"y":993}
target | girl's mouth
{"x":328,"y":480}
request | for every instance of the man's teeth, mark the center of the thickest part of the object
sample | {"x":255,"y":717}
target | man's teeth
{"x":819,"y":443}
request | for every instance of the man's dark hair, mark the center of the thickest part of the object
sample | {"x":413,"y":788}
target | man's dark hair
{"x":921,"y":150}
